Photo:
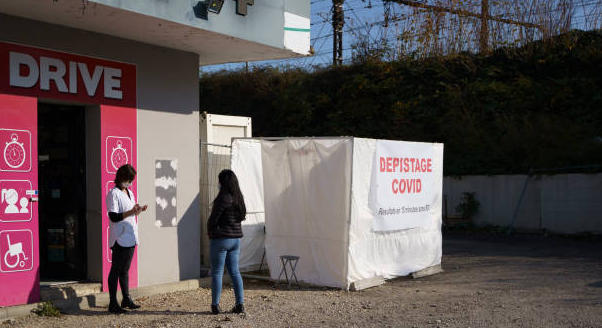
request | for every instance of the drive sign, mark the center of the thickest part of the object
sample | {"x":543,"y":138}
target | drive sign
{"x":44,"y":73}
{"x":27,"y":72}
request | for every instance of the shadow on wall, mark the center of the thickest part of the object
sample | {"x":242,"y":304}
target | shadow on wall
{"x":189,"y":242}
{"x":34,"y":293}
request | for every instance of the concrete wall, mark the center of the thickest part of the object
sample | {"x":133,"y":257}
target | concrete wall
{"x":168,"y":127}
{"x":565,"y":203}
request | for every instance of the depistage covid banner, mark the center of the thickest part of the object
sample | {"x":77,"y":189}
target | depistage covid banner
{"x":407,"y":183}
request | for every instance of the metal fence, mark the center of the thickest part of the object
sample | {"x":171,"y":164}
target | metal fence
{"x":214,"y":158}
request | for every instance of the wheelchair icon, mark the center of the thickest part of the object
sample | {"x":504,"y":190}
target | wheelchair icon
{"x":12,"y":258}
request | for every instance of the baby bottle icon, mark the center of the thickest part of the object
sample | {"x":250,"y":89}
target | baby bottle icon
{"x":12,"y":258}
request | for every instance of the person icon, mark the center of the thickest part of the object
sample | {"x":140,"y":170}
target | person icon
{"x":24,"y":202}
{"x":11,"y":197}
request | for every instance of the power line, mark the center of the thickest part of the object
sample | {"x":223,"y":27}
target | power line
{"x":315,"y":48}
{"x":361,"y":24}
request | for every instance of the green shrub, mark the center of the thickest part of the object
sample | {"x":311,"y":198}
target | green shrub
{"x":469,"y":206}
{"x":47,"y":309}
{"x":537,"y":106}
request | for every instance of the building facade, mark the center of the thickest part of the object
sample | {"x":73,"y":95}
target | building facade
{"x":86,"y":86}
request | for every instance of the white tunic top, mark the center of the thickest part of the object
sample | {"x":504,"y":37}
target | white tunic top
{"x":124,"y":232}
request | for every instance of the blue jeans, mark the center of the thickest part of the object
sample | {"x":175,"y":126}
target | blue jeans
{"x":225,"y":251}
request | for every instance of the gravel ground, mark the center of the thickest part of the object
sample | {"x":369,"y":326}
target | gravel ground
{"x":510,"y":282}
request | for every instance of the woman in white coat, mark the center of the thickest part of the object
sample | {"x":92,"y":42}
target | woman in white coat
{"x":123,"y":236}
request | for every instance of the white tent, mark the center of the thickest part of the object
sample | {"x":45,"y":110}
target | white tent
{"x":353,"y":209}
{"x":246,"y":163}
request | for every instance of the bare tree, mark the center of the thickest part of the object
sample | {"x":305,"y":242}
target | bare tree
{"x":439,"y":27}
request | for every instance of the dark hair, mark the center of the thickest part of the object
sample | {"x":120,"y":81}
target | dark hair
{"x":229,"y":185}
{"x":125,"y":173}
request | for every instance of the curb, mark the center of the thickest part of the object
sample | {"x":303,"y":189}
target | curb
{"x":432,"y":270}
{"x":86,"y":302}
{"x":13,"y":312}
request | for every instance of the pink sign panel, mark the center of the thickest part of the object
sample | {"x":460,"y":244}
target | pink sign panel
{"x":118,"y":133}
{"x":107,"y":248}
{"x":19,"y":241}
{"x":22,"y":80}
{"x":16,"y":250}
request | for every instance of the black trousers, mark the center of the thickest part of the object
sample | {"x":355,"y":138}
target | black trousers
{"x":120,"y":267}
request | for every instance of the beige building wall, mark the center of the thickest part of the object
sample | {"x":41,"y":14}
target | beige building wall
{"x":168,"y":128}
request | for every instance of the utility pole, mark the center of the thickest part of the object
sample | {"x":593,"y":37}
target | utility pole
{"x":338,"y":21}
{"x":484,"y":33}
{"x":484,"y":16}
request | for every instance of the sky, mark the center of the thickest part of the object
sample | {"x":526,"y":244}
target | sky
{"x":358,"y":15}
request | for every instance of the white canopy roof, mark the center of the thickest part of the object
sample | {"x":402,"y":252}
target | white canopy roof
{"x":270,"y":30}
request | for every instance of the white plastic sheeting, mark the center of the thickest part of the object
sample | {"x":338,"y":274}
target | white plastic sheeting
{"x":316,"y":197}
{"x":246,"y":163}
{"x":307,"y":188}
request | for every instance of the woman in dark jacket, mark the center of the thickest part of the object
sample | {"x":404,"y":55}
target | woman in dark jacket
{"x":225,"y":232}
